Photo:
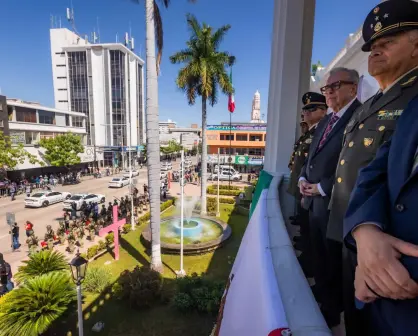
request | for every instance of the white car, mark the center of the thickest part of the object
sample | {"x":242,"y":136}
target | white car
{"x":166,"y":166}
{"x":119,"y":182}
{"x":79,"y":198}
{"x":126,"y":173}
{"x":45,"y":198}
{"x":224,"y":176}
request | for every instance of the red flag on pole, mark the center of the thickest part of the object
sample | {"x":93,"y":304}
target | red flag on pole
{"x":231,"y":99}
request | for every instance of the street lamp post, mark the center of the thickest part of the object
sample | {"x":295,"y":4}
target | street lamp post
{"x":78,"y":268}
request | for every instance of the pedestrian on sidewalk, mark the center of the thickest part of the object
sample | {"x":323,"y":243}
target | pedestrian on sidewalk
{"x":28,"y":190}
{"x":15,"y":236}
{"x":12,"y":191}
{"x":5,"y":275}
{"x":28,"y":229}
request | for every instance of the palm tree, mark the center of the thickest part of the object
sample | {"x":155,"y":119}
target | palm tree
{"x":204,"y":72}
{"x":31,"y":309}
{"x":39,"y":263}
{"x":154,"y":33}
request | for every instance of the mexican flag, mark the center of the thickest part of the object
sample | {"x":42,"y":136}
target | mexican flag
{"x":231,"y":100}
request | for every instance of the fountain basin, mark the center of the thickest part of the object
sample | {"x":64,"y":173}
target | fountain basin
{"x":191,"y":228}
{"x":200,"y":235}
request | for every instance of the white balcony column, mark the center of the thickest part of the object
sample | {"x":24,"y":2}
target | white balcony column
{"x":290,"y":69}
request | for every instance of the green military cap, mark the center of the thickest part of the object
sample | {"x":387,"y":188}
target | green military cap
{"x":313,"y":99}
{"x":388,"y":18}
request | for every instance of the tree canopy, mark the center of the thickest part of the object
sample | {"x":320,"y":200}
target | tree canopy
{"x":63,"y":150}
{"x":11,"y":155}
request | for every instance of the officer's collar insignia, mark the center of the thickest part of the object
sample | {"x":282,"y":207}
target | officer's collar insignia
{"x":409,"y":81}
{"x":308,"y":141}
{"x":367,"y":142}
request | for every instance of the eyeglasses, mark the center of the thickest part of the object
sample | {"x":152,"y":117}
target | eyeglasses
{"x":334,"y":86}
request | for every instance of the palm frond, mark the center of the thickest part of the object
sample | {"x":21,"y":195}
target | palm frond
{"x":39,"y":263}
{"x":182,"y":56}
{"x":31,"y":309}
{"x":194,"y":25}
{"x":219,"y":35}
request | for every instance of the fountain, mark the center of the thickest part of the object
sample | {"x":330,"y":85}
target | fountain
{"x":200,"y":233}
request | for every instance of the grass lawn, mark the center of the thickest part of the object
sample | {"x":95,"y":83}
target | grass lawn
{"x":162,"y":319}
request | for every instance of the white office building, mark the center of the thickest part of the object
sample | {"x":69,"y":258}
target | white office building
{"x":105,"y":81}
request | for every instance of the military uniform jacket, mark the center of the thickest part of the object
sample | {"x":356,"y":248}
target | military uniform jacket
{"x":386,"y":191}
{"x":297,"y":160}
{"x":371,"y":125}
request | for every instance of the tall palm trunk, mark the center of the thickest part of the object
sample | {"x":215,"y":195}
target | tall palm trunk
{"x":204,"y":166}
{"x":153,"y":143}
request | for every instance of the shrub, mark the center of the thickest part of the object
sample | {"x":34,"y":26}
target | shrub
{"x":127,"y":228}
{"x":92,"y":251}
{"x":222,"y":200}
{"x":224,"y":187}
{"x":97,"y":279}
{"x":110,"y":238}
{"x":101,"y":245}
{"x":198,"y":293}
{"x":32,"y":308}
{"x":225,"y":192}
{"x":141,"y":287}
{"x":39,"y":263}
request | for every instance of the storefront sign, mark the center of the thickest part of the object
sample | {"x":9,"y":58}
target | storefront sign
{"x":256,"y":160}
{"x":236,"y":128}
{"x":88,"y":155}
{"x":17,"y":137}
{"x":241,"y":160}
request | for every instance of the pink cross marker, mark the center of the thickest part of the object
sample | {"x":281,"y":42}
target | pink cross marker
{"x":114,"y":227}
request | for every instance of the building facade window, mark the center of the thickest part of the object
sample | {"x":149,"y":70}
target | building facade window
{"x":256,"y":137}
{"x":256,"y":151}
{"x":241,"y":151}
{"x":46,"y":117}
{"x":46,"y":135}
{"x":139,"y":98}
{"x":77,"y":121}
{"x":242,"y":137}
{"x":117,"y":77}
{"x":24,"y":114}
{"x":78,"y":80}
{"x":226,"y":137}
{"x":31,"y":137}
{"x":67,"y":120}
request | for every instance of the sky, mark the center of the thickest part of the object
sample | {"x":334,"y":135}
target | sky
{"x":25,"y":60}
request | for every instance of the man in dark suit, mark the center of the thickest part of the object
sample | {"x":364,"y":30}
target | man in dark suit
{"x":314,"y":109}
{"x":316,"y":182}
{"x":389,"y":34}
{"x":381,"y":221}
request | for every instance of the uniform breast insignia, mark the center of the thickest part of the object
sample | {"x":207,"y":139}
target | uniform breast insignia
{"x":368,"y":142}
{"x":409,"y":81}
{"x":308,"y":141}
{"x":389,"y":114}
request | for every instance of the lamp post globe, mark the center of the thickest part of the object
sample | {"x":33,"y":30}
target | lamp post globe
{"x":78,"y":268}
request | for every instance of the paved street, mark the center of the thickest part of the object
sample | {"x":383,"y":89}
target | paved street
{"x":41,"y":217}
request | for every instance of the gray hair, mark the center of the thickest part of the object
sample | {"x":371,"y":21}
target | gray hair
{"x":352,"y":74}
{"x":413,"y":35}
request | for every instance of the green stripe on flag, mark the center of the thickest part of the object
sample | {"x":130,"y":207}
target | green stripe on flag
{"x":264,"y":181}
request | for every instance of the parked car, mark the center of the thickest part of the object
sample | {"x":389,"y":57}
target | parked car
{"x":79,"y":198}
{"x":119,"y":182}
{"x":225,"y":176}
{"x":45,"y":198}
{"x":126,"y":173}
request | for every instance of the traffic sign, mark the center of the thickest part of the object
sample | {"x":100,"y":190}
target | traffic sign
{"x":10,"y":218}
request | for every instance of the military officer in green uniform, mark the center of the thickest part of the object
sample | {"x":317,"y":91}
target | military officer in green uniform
{"x":313,"y":110}
{"x":390,"y":33}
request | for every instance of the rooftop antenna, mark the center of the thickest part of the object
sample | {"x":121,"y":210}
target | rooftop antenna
{"x":60,"y":22}
{"x":126,"y":40}
{"x":51,"y":18}
{"x":98,"y":29}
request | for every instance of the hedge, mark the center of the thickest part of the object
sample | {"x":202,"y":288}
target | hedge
{"x":223,"y":186}
{"x":145,"y":218}
{"x":222,"y":200}
{"x":224,"y":192}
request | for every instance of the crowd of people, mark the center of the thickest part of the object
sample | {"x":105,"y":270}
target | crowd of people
{"x":354,"y":176}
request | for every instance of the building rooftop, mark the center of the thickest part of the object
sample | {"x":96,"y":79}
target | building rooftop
{"x":37,"y":106}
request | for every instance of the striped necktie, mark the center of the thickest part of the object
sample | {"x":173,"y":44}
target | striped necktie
{"x":328,"y":130}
